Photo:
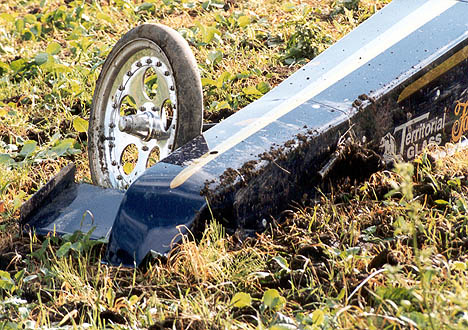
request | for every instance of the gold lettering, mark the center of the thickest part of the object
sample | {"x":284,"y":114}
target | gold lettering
{"x":460,"y":126}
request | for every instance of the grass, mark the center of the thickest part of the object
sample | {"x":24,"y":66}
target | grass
{"x":389,"y":252}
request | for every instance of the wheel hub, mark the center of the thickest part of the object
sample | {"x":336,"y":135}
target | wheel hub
{"x":146,"y":126}
{"x":139,"y":119}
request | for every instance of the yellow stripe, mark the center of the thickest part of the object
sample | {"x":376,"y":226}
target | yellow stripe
{"x":435,"y":73}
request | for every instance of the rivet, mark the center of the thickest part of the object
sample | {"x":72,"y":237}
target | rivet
{"x":166,"y":73}
{"x":158,"y":63}
{"x":111,"y":145}
{"x":138,"y":64}
{"x":149,"y":61}
{"x":114,"y":163}
{"x":119,"y":177}
{"x":170,"y":146}
{"x":154,"y":108}
{"x":129,"y":73}
{"x":145,"y":148}
{"x":112,"y":125}
{"x":115,"y":105}
{"x":121,"y":88}
{"x":172,"y":88}
{"x":142,"y":108}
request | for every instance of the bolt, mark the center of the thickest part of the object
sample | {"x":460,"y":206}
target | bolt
{"x":111,"y":145}
{"x":145,"y":148}
{"x":138,"y":64}
{"x":114,"y":163}
{"x":172,"y":88}
{"x":158,"y":63}
{"x":142,"y":108}
{"x":129,"y":73}
{"x":121,"y":88}
{"x":149,"y":61}
{"x":119,"y":177}
{"x":112,"y":125}
{"x":154,"y":108}
{"x":166,"y":73}
{"x":115,"y":105}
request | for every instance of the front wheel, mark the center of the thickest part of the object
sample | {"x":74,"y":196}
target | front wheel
{"x":147,"y":102}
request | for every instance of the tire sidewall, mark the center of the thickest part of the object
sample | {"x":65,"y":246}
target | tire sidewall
{"x":188,"y":92}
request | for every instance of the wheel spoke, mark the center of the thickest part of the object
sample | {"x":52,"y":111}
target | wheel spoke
{"x":140,"y":112}
{"x":136,"y":89}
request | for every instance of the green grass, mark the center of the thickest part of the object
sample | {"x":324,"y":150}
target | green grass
{"x":386,"y":253}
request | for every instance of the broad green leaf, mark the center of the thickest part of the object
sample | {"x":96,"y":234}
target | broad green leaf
{"x":273,"y":300}
{"x":63,"y":148}
{"x":208,"y":82}
{"x":5,"y":280}
{"x":6,"y":159}
{"x":251,"y":90}
{"x":214,"y":57}
{"x":18,"y":65}
{"x":243,"y":21}
{"x":241,"y":299}
{"x":318,"y":317}
{"x":30,"y":19}
{"x":80,"y":125}
{"x":19,"y":24}
{"x":7,"y":17}
{"x":105,"y":17}
{"x":3,"y":112}
{"x":28,"y":148}
{"x":208,"y":33}
{"x":145,"y":7}
{"x":41,"y":58}
{"x":458,"y":265}
{"x":288,"y":7}
{"x":263,"y":87}
{"x":53,"y":48}
{"x":63,"y":251}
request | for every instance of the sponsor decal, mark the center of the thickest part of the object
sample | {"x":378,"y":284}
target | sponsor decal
{"x":460,"y":126}
{"x":414,"y":136}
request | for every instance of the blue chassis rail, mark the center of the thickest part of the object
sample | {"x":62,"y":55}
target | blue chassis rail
{"x":399,"y":82}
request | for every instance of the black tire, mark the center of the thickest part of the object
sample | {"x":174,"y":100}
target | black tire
{"x":187,"y":85}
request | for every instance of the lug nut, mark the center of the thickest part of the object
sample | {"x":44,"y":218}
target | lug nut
{"x":142,"y":108}
{"x":138,"y":64}
{"x":111,"y":145}
{"x":121,"y":88}
{"x":129,"y":73}
{"x":158,"y":63}
{"x":149,"y":61}
{"x":119,"y":177}
{"x":145,"y":148}
{"x":166,"y":73}
{"x":172,"y":88}
{"x":154,"y":108}
{"x":114,"y":163}
{"x":112,"y":125}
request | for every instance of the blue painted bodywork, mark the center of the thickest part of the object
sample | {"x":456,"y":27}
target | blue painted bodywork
{"x":366,"y":99}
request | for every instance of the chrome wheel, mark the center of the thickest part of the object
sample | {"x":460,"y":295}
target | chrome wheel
{"x":140,"y":98}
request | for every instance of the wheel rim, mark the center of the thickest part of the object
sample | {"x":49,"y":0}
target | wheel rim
{"x":139,"y":129}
